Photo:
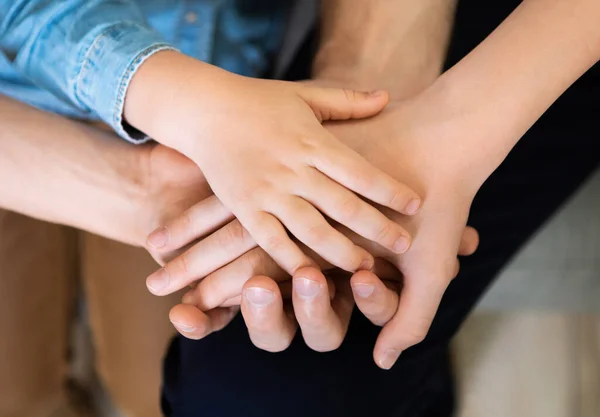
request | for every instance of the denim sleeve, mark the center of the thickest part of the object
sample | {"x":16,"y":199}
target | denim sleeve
{"x":83,"y":51}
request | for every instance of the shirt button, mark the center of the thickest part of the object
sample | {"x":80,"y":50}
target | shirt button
{"x":191,"y":17}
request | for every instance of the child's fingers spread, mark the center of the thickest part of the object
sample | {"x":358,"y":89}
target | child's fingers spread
{"x":344,"y":104}
{"x":346,"y":208}
{"x":206,"y":256}
{"x":310,"y":227}
{"x":195,"y":223}
{"x":270,"y":235}
{"x":351,"y":170}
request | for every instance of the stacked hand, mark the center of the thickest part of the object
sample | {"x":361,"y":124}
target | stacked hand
{"x":267,"y":157}
{"x":414,"y":143}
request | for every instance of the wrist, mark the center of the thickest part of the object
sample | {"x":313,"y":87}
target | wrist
{"x":405,"y":81}
{"x":169,"y":95}
{"x":396,"y":46}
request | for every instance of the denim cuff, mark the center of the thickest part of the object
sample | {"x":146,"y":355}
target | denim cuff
{"x":109,"y":63}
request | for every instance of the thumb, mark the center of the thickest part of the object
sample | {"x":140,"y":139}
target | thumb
{"x":344,"y":104}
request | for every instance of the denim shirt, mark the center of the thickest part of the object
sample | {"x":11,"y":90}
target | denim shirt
{"x":77,"y":57}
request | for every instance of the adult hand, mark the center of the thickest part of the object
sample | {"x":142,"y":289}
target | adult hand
{"x":421,"y":151}
{"x":173,"y":184}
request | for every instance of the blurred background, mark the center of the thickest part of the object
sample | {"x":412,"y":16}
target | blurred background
{"x":531,"y":348}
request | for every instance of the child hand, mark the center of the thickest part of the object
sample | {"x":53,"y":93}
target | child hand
{"x":265,"y":154}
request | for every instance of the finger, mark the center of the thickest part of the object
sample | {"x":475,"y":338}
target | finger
{"x":195,"y":324}
{"x":195,"y":223}
{"x":418,"y":304}
{"x":348,"y":209}
{"x":208,"y":255}
{"x":343,"y":104}
{"x":218,"y":287}
{"x":351,"y":170}
{"x":373,"y":298}
{"x":286,"y":288}
{"x":270,"y":235}
{"x":310,"y":227}
{"x":269,"y":326}
{"x":323,"y":322}
{"x":227,"y":282}
{"x":469,"y":242}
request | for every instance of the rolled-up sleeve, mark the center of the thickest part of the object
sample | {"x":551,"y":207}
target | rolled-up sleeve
{"x":83,"y":51}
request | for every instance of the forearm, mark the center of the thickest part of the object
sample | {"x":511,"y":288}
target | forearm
{"x":500,"y":89}
{"x":397,"y":45}
{"x":64,"y":172}
{"x":82,"y":51}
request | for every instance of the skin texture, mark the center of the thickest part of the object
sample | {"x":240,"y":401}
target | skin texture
{"x":88,"y":178}
{"x":275,"y":167}
{"x":447,"y":140}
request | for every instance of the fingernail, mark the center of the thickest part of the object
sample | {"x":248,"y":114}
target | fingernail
{"x":259,"y":297}
{"x":306,"y":288}
{"x":158,"y":281}
{"x":159,"y":238}
{"x":389,"y":358}
{"x":413,"y":206}
{"x":184,"y":328}
{"x":402,"y":244}
{"x":366,"y":265}
{"x":363,"y":290}
{"x":377,"y":93}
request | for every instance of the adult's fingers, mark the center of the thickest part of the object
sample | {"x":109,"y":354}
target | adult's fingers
{"x":196,"y":324}
{"x":208,"y":255}
{"x":228,"y":282}
{"x":323,"y":322}
{"x":270,"y":326}
{"x":198,"y":221}
{"x":376,"y":300}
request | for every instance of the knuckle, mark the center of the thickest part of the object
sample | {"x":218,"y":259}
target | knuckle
{"x":310,"y":144}
{"x":234,"y":233}
{"x":186,"y":221}
{"x":210,"y":294}
{"x":253,"y":261}
{"x":348,"y":208}
{"x":318,"y":232}
{"x":396,"y":199}
{"x":378,"y":314}
{"x":275,"y":241}
{"x":350,"y":94}
{"x":418,"y":333}
{"x":181,"y":265}
{"x":249,"y":192}
{"x":360,"y":179}
{"x":386,"y":234}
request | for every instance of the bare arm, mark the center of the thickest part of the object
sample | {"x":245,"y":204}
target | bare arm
{"x":504,"y":85}
{"x":64,"y":172}
{"x":397,"y":45}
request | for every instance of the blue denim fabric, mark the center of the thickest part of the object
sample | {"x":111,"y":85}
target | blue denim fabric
{"x":77,"y":57}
